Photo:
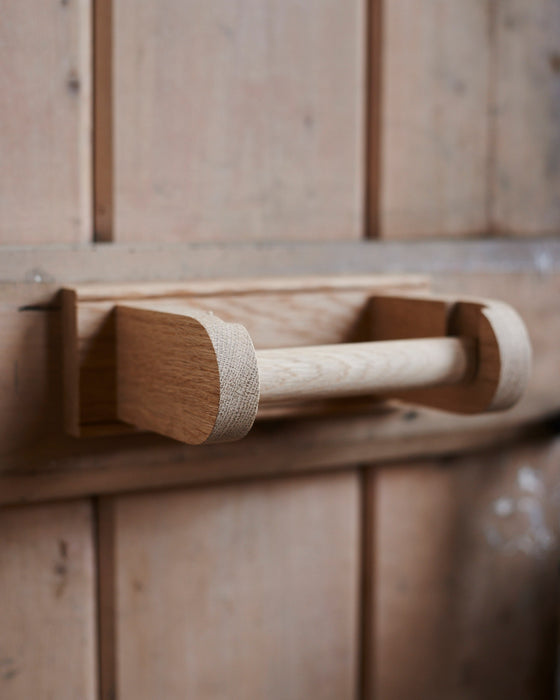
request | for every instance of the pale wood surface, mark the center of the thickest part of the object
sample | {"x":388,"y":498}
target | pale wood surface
{"x":465,"y":558}
{"x":152,"y":262}
{"x":238,"y":120}
{"x":526,"y":123}
{"x":45,"y":122}
{"x":47,"y":587}
{"x":358,"y":369}
{"x":434,"y":118}
{"x":246,"y":591}
{"x":469,"y":118}
{"x":226,"y":287}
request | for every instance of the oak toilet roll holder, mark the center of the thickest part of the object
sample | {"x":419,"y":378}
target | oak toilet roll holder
{"x":200,"y":361}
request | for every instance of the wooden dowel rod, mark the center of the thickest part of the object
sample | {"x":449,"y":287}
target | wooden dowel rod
{"x":355,"y":369}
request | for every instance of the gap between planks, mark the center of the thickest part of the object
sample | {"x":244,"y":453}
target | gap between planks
{"x":102,"y":120}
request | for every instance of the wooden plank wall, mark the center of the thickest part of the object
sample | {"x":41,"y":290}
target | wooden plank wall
{"x":236,"y":121}
{"x":434,"y":120}
{"x":525,"y":156}
{"x":240,"y":122}
{"x":246,"y":122}
{"x":465,"y":584}
{"x":246,"y":591}
{"x":45,"y":122}
{"x":470,"y":105}
{"x":48,"y":645}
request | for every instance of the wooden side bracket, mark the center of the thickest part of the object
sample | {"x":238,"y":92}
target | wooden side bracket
{"x":501,"y":353}
{"x":198,"y":365}
{"x":185,"y":374}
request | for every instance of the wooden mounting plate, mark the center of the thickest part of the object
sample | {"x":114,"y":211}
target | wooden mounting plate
{"x":277,"y":312}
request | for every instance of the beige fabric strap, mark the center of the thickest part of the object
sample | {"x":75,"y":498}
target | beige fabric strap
{"x":239,"y":380}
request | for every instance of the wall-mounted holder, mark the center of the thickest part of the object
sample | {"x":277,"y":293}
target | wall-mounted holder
{"x":200,"y":361}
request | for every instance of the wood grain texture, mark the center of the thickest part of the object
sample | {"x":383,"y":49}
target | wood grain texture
{"x":47,"y":587}
{"x":185,"y":374}
{"x":45,"y":122}
{"x":525,"y":157}
{"x":239,"y":592}
{"x":469,"y":119}
{"x":361,"y":369}
{"x":106,"y":622}
{"x":238,"y":121}
{"x":465,"y":554}
{"x":434,"y":118}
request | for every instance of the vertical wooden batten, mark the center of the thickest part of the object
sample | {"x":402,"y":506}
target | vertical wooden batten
{"x":373,"y":119}
{"x":368,"y":584}
{"x":103,"y":120}
{"x":106,"y":610}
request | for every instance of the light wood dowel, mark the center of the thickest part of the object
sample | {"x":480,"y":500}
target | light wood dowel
{"x":354,"y":369}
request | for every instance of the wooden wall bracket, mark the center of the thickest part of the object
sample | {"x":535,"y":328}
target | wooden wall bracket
{"x":199,"y":361}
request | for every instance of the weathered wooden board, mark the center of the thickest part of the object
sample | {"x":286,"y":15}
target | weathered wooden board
{"x":45,"y":122}
{"x":47,"y":587}
{"x":465,"y":556}
{"x":525,"y":156}
{"x":237,"y":121}
{"x":470,"y":126}
{"x":246,"y":591}
{"x":434,"y":118}
{"x":153,"y":262}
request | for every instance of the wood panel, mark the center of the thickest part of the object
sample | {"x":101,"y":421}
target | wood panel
{"x":242,"y":591}
{"x":47,"y":588}
{"x":470,"y":118}
{"x":434,"y":118}
{"x":465,"y":566}
{"x":525,"y":156}
{"x":237,"y":121}
{"x":45,"y":103}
